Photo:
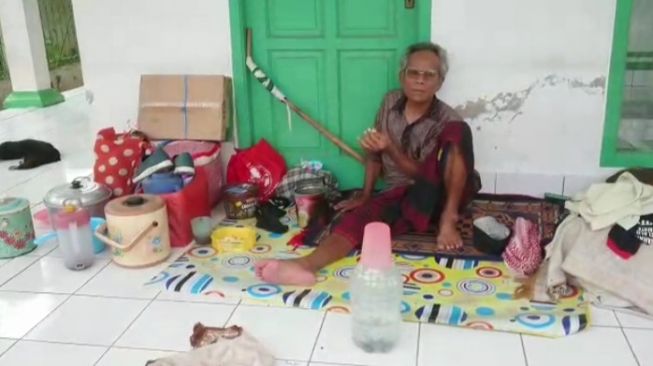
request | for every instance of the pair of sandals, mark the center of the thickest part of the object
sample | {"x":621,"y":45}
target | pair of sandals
{"x":159,"y":162}
{"x":269,"y":214}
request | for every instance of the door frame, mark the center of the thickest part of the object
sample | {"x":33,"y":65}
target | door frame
{"x":242,"y":121}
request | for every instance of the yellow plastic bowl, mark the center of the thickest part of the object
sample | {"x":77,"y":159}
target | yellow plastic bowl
{"x":233,"y":239}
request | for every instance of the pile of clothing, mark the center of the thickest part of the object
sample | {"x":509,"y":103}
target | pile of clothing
{"x":604,"y":246}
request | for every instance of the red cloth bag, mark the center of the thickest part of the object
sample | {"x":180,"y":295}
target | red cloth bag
{"x":260,"y":164}
{"x":206,"y":156}
{"x":185,"y":205}
{"x":118,"y":155}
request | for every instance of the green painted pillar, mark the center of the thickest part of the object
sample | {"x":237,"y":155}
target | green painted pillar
{"x":22,"y":34}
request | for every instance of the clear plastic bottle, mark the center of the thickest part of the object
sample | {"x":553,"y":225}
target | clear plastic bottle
{"x":376,"y":289}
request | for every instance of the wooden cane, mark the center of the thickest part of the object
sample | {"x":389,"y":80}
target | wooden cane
{"x":315,"y":124}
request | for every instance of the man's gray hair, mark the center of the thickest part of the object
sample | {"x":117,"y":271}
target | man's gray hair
{"x":431,"y":47}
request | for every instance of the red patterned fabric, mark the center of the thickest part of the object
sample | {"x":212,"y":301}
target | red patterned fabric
{"x":118,"y":155}
{"x":523,"y":254}
{"x":413,"y":207}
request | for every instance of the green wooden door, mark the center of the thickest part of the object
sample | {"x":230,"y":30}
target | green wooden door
{"x":335,"y":59}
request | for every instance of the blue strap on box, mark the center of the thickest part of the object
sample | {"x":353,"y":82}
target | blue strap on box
{"x":185,"y":107}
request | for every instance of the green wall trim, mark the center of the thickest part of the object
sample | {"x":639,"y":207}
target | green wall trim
{"x":242,"y":118}
{"x":610,"y":154}
{"x":33,"y":99}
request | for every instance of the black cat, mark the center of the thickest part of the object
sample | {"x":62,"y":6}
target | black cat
{"x":33,"y":152}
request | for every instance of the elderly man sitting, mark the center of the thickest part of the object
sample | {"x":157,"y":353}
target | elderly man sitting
{"x":424,"y":150}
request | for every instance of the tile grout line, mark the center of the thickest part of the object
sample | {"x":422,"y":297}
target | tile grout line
{"x":630,"y":347}
{"x":233,"y":311}
{"x":10,"y":347}
{"x":50,"y":167}
{"x":419,"y":335}
{"x":523,"y":349}
{"x":60,"y":305}
{"x":317,"y":338}
{"x":97,"y":345}
{"x":126,"y":328}
{"x":36,"y":259}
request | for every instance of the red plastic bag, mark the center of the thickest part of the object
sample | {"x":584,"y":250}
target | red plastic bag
{"x":118,"y":155}
{"x":261,"y":164}
{"x":185,"y":205}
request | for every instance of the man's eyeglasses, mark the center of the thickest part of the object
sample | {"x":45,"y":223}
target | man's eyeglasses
{"x":428,"y":75}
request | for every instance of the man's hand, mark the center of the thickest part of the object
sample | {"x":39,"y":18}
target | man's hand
{"x":376,"y":142}
{"x":351,"y":204}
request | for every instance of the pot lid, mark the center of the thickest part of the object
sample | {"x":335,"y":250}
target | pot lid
{"x":134,"y":205}
{"x":241,"y":189}
{"x":82,"y":190}
{"x":10,"y":205}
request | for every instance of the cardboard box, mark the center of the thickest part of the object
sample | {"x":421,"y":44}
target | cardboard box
{"x":189,"y":107}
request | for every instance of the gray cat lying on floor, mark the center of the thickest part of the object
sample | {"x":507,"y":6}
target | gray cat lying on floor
{"x":33,"y":153}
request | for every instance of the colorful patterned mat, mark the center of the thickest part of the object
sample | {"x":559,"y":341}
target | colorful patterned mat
{"x":457,"y":292}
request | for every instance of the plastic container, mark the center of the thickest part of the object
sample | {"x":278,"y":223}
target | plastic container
{"x":376,"y":289}
{"x":240,"y":201}
{"x":136,"y":230}
{"x":307,"y":199}
{"x":163,"y":183}
{"x":202,"y":229}
{"x":73,"y":227}
{"x":98,"y":245}
{"x":234,"y":239}
{"x":16,"y":228}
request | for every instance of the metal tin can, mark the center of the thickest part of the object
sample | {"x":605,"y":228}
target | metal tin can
{"x":307,"y":199}
{"x":240,"y":201}
{"x":16,"y":227}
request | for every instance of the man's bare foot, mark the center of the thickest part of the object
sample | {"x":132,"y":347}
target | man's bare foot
{"x":448,"y":235}
{"x":284,"y":272}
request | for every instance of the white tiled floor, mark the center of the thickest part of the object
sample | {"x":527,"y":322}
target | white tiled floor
{"x":102,"y":316}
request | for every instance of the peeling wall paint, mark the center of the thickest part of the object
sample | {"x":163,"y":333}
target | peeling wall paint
{"x":530,"y":81}
{"x":490,"y":108}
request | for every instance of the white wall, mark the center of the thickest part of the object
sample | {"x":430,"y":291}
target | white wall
{"x":550,"y":60}
{"x":529,"y":75}
{"x":121,"y":39}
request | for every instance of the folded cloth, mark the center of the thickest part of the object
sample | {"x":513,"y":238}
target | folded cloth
{"x":606,"y":204}
{"x":230,"y":346}
{"x":295,"y":175}
{"x":579,"y":256}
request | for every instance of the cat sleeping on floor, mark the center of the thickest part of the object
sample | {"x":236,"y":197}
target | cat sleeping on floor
{"x":33,"y":153}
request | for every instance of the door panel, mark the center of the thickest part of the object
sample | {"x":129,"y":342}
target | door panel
{"x":283,"y":20}
{"x":335,"y":59}
{"x":304,"y":68}
{"x":367,"y":18}
{"x":365,"y":76}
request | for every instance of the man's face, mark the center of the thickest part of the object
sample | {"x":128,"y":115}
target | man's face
{"x":421,"y":79}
